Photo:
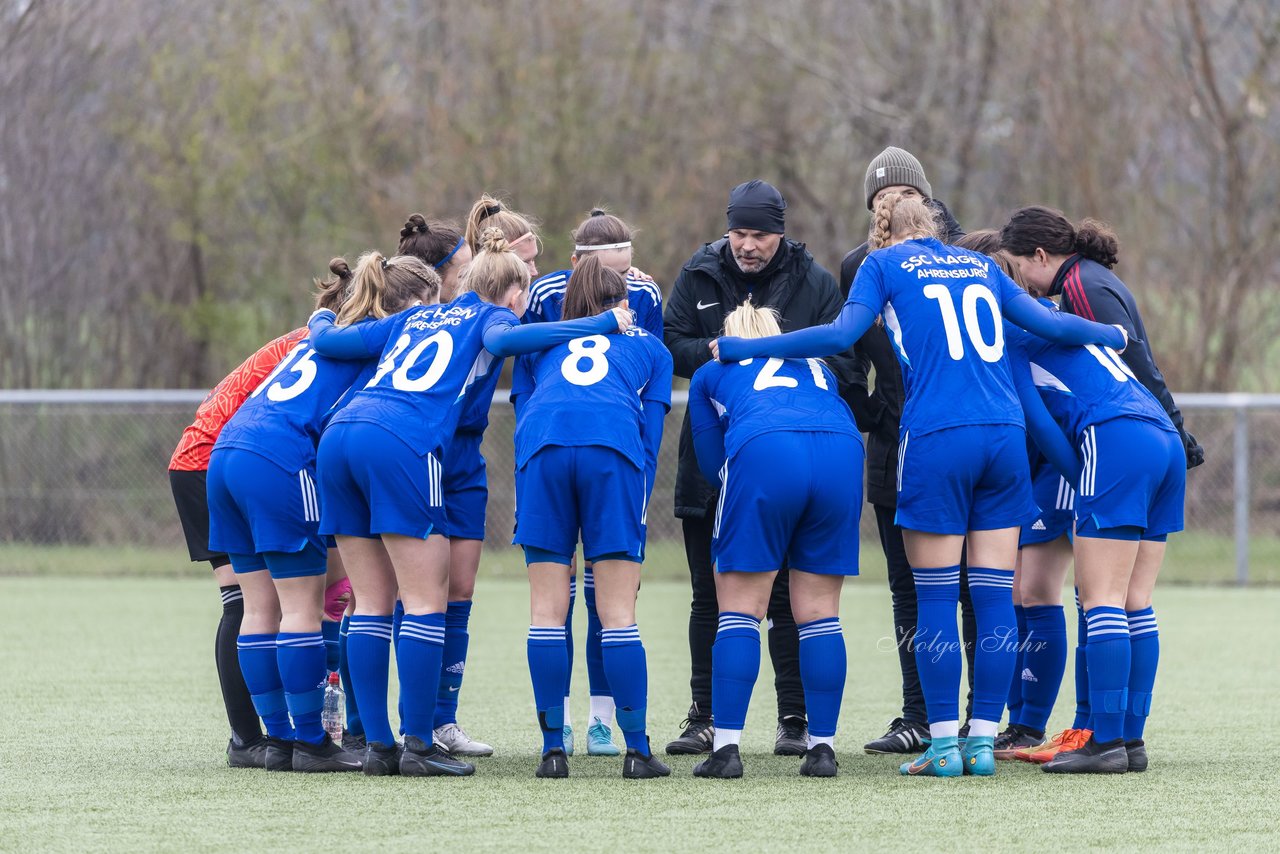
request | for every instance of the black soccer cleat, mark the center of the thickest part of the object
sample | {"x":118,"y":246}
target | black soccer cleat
{"x":637,"y":766}
{"x":819,"y":761}
{"x":1016,"y":737}
{"x":792,"y":738}
{"x":1137,"y":751}
{"x":251,"y":754}
{"x":699,"y":732}
{"x":1093,"y":758}
{"x":382,"y":760}
{"x":903,"y":736}
{"x":279,"y":754}
{"x":354,"y":743}
{"x":723,"y":764}
{"x":554,"y":764}
{"x":325,"y":757}
{"x":430,"y":760}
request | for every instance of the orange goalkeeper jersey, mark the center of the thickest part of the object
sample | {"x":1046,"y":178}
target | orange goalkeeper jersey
{"x":220,"y":404}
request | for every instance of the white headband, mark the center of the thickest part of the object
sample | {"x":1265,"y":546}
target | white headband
{"x":626,"y":245}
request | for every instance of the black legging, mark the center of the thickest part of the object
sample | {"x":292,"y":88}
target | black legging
{"x":902,"y":588}
{"x":704,"y":617}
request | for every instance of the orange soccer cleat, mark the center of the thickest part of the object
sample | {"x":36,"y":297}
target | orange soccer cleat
{"x":1068,"y":739}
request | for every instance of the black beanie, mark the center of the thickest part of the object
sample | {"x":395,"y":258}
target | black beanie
{"x":758,"y":206}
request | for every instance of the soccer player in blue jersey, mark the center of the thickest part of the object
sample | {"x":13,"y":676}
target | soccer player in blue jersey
{"x":607,"y":238}
{"x":466,"y":486}
{"x":1129,"y":498}
{"x":265,"y":513}
{"x":587,"y":440}
{"x":782,"y":445}
{"x":381,"y":479}
{"x":1044,"y":558}
{"x":962,"y":467}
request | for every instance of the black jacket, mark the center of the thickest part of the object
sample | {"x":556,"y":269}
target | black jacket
{"x":1091,"y":291}
{"x":803,"y":293}
{"x":878,"y":413}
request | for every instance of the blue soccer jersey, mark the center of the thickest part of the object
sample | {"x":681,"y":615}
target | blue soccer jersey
{"x":942,"y":309}
{"x":431,"y":356}
{"x":546,"y":296}
{"x":758,"y":396}
{"x":283,"y":417}
{"x":594,"y":391}
{"x":1081,"y":386}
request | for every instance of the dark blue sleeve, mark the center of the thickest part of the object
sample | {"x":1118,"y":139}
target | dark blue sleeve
{"x":1041,"y":427}
{"x":1057,"y":326}
{"x":357,"y":341}
{"x":827,"y":340}
{"x":511,"y":339}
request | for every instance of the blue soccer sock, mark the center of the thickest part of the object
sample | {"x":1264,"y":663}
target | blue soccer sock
{"x":300,"y":656}
{"x":419,"y":652}
{"x":1082,"y":668}
{"x":257,"y":654}
{"x":369,"y":654}
{"x":568,"y":645}
{"x":992,"y":593}
{"x":597,"y":681}
{"x":548,"y":661}
{"x":1014,"y":701}
{"x":1109,"y":664}
{"x":354,"y":726}
{"x":938,"y":645}
{"x":1144,"y":656}
{"x":331,"y":629}
{"x":735,"y":666}
{"x":454,"y":662}
{"x":1043,"y":663}
{"x":628,"y":674}
{"x":823,"y":665}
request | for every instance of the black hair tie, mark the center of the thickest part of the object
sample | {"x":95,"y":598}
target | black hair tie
{"x":491,"y":210}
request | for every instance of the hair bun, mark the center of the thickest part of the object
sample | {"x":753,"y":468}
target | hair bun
{"x":340,"y":268}
{"x":416,"y":224}
{"x":493,"y":240}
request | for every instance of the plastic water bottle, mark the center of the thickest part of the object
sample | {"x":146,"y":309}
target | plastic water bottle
{"x":333,"y":714}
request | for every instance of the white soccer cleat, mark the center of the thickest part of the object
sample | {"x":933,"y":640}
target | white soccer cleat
{"x":458,"y":743}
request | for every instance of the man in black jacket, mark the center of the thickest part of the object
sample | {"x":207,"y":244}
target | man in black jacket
{"x":754,"y":260}
{"x":878,"y":413}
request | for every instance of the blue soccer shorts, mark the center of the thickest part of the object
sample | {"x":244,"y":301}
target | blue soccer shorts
{"x":791,"y":499}
{"x":466,"y":487}
{"x":595,"y":490}
{"x":1056,"y":500}
{"x":961,"y":479}
{"x":1134,"y":476}
{"x":373,"y":483}
{"x":258,"y":509}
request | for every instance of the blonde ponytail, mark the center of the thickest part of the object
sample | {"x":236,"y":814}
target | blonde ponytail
{"x":752,"y":321}
{"x":897,"y":217}
{"x":380,"y":287}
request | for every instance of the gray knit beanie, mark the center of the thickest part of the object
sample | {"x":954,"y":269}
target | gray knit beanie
{"x":894,"y":166}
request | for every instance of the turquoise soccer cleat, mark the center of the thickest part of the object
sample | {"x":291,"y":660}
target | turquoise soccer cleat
{"x":568,"y":741}
{"x":979,"y":755}
{"x":600,"y":739}
{"x":942,"y":759}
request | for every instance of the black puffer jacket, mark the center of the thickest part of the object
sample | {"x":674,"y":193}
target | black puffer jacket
{"x":878,"y":413}
{"x":709,"y":287}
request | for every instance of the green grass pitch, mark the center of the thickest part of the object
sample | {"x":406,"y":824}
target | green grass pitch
{"x":114,"y":739}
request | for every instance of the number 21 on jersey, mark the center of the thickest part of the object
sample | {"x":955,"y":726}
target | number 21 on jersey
{"x":768,"y":376}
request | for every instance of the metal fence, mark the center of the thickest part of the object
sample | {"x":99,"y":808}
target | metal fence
{"x":89,"y":468}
